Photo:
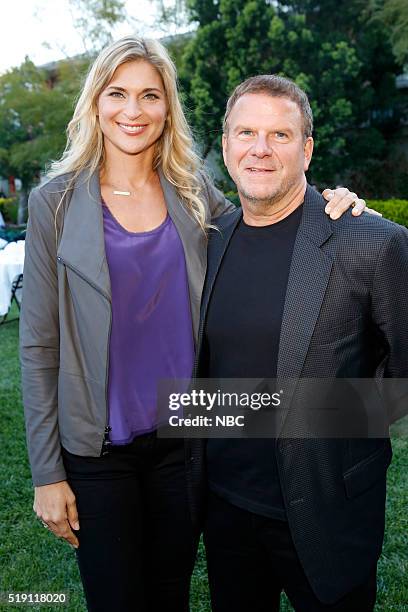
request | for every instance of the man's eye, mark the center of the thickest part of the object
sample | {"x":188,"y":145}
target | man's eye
{"x":281,"y":135}
{"x":246,"y":133}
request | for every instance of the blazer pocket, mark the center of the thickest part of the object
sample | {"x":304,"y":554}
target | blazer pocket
{"x":328,"y":333}
{"x":364,"y":474}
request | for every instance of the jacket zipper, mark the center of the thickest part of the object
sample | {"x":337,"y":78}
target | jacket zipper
{"x":84,"y":278}
{"x":105,"y":442}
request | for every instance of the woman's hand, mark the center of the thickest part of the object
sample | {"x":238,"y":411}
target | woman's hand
{"x":340,"y":200}
{"x":55,"y":506}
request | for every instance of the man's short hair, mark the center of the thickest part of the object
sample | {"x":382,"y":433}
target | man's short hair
{"x":277,"y":87}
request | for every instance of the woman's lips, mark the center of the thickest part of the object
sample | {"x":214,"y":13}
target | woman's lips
{"x":132,"y":130}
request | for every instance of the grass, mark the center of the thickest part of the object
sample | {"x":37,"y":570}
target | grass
{"x":32,"y":560}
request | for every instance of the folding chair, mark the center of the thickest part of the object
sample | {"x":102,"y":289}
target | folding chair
{"x":17,"y":285}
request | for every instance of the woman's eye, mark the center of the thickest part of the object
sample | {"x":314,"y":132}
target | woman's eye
{"x":116,"y":94}
{"x":151,"y":96}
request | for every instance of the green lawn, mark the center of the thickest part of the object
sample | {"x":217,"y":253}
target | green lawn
{"x":33,"y":560}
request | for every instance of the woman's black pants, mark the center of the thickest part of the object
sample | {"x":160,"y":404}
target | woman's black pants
{"x":137,"y":545}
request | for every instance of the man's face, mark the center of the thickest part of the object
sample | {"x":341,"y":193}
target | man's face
{"x":264,"y":149}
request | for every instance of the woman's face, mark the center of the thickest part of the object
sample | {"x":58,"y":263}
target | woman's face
{"x":132,"y":109}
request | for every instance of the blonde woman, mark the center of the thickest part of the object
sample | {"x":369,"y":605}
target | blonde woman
{"x":115,"y":265}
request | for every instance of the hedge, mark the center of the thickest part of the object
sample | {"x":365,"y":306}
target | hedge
{"x":395,"y":210}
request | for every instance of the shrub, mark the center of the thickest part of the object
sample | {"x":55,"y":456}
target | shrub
{"x":233,"y":197}
{"x":394,"y":210}
{"x":9,"y":209}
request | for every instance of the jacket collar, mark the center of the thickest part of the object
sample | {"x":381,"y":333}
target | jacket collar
{"x":194,"y":244}
{"x":82,"y":245}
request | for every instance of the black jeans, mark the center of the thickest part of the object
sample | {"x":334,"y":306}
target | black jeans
{"x":136,"y":541}
{"x":252,"y":559}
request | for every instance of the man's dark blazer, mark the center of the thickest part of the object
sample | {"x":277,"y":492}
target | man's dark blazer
{"x":345,"y":316}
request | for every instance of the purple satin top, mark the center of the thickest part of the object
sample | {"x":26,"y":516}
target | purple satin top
{"x":151,"y":336}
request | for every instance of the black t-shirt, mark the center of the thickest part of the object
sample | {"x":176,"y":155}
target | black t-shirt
{"x":242,"y":336}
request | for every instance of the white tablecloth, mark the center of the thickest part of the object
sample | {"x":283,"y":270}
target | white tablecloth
{"x":11,"y":265}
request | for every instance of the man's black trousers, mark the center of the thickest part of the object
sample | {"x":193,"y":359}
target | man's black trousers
{"x":252,"y":559}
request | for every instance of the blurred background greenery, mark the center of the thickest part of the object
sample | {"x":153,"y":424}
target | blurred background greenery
{"x":349,"y":56}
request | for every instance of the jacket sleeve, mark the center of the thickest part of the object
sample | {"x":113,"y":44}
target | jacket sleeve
{"x":390,"y":314}
{"x":217,"y":202}
{"x":39,"y":343}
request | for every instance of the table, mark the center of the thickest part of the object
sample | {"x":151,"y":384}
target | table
{"x":11,"y":266}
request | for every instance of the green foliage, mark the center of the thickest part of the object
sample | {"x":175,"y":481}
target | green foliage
{"x":341,"y":58}
{"x":35,"y":107}
{"x":36,"y":104}
{"x":233,"y":197}
{"x":203,"y":11}
{"x":395,"y":210}
{"x":394,"y":15}
{"x":9,"y":209}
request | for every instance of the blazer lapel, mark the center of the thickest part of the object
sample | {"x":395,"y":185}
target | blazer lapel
{"x":308,"y":278}
{"x":82,"y":245}
{"x":219,"y":242}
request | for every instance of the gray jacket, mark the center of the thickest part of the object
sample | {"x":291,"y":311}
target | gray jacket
{"x":66,"y":315}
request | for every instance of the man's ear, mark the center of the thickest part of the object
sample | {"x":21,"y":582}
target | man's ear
{"x":308,"y":152}
{"x":224,"y":148}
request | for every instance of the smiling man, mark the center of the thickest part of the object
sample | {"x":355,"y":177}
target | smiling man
{"x":267,"y":148}
{"x":292,"y":294}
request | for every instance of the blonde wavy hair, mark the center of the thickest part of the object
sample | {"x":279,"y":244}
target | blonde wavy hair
{"x":174,"y":150}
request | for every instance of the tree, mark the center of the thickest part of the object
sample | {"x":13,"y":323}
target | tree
{"x":332,"y":49}
{"x":95,"y":20}
{"x":394,"y":15}
{"x":172,"y":17}
{"x":34,"y":112}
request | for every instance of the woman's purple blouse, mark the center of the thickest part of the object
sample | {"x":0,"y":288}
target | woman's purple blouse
{"x":152,"y":336}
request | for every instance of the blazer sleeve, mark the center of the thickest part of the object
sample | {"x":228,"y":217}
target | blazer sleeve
{"x":39,"y":343}
{"x":390,"y":314}
{"x":217,"y":202}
